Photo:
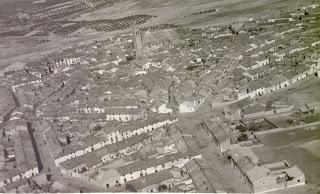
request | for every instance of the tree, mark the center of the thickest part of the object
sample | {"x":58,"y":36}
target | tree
{"x":97,"y":128}
{"x":68,"y":140}
{"x":162,"y":187}
{"x":241,"y":128}
{"x":243,"y":137}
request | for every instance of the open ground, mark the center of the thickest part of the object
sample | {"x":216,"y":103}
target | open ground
{"x":294,"y":146}
{"x":171,"y":12}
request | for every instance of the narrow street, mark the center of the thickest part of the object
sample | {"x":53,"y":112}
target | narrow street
{"x":45,"y":152}
{"x":7,"y":117}
{"x":223,"y":170}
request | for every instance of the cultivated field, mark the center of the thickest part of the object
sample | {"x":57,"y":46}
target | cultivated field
{"x":313,"y":147}
{"x":182,"y":12}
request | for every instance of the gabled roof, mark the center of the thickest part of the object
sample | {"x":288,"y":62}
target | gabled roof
{"x":151,"y":179}
{"x":217,"y":131}
{"x":202,"y":176}
{"x":245,"y":164}
{"x":294,"y":172}
{"x":257,"y":173}
{"x":240,"y":152}
{"x":152,"y":162}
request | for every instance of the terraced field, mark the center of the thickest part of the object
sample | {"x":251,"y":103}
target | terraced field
{"x":65,"y":28}
{"x":51,"y":16}
{"x":196,"y":13}
{"x":120,"y":23}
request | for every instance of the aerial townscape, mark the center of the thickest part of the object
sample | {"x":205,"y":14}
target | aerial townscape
{"x":159,"y":96}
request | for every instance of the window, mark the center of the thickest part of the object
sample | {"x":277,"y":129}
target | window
{"x":107,"y":185}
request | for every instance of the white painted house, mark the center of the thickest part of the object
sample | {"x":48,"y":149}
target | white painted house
{"x":187,"y":107}
{"x":117,"y":136}
{"x":19,"y":176}
{"x":163,"y":109}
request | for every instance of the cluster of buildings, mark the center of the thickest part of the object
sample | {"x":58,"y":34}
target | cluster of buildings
{"x":97,"y":113}
{"x":276,"y":58}
{"x":235,"y":140}
{"x":20,"y":159}
{"x":131,"y":156}
{"x":262,"y":178}
{"x":109,"y":110}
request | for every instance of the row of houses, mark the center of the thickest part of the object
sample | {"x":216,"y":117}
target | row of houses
{"x":160,"y":171}
{"x":273,"y":46}
{"x":99,"y":157}
{"x":89,"y":110}
{"x":19,"y":176}
{"x":121,"y":115}
{"x":33,"y":82}
{"x":159,"y":182}
{"x":151,"y":175}
{"x":130,"y":172}
{"x":257,"y":64}
{"x":57,"y":63}
{"x":277,"y":57}
{"x":314,"y":69}
{"x":118,"y":135}
{"x":144,"y":167}
{"x":105,"y":155}
{"x":96,"y":106}
{"x":26,"y":164}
